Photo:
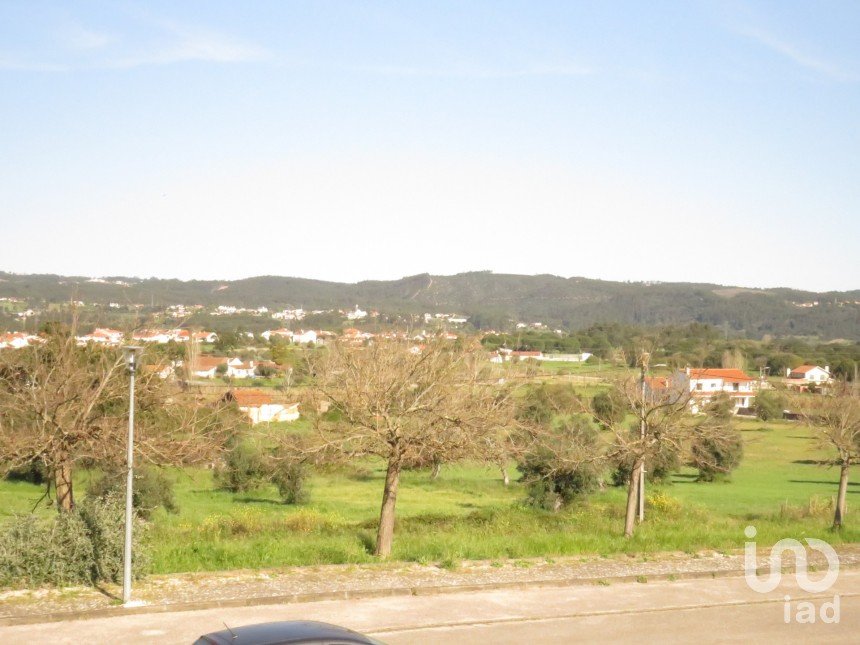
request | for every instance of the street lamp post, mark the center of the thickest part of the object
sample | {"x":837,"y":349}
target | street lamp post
{"x":131,"y":354}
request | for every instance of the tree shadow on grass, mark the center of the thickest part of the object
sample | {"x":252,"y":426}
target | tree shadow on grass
{"x":257,"y":500}
{"x":811,"y":462}
{"x":685,"y":478}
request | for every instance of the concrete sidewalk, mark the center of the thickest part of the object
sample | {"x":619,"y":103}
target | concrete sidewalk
{"x":183,"y":592}
{"x":683,"y":611}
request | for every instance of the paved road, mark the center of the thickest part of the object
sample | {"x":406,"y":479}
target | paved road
{"x":700,"y":611}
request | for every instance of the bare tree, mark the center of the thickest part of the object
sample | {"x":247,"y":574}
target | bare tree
{"x":661,"y":410}
{"x":836,"y":420}
{"x":406,"y":404}
{"x":62,"y":404}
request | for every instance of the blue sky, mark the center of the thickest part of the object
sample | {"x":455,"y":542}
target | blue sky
{"x":348,"y":140}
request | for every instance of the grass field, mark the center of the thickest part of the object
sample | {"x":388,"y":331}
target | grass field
{"x":468,"y":514}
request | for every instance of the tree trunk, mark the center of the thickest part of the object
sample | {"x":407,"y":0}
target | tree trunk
{"x":840,"y":498}
{"x":63,"y":484}
{"x":505,"y":477}
{"x":385,"y":533}
{"x":632,"y":499}
{"x":437,"y":467}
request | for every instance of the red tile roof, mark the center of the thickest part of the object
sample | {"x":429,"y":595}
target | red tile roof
{"x":206,"y":363}
{"x":731,"y":375}
{"x":803,"y":369}
{"x":248,"y":398}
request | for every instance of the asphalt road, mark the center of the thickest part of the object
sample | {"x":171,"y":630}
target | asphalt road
{"x":699,"y":611}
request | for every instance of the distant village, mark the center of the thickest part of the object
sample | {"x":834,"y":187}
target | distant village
{"x":260,"y":405}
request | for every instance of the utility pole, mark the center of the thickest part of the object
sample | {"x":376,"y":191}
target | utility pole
{"x":643,"y":363}
{"x":131,"y":354}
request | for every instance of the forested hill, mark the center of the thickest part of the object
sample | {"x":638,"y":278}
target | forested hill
{"x":490,"y":300}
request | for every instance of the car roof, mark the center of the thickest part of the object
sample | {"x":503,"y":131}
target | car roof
{"x":287,"y":631}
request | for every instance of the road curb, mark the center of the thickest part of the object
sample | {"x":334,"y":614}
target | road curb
{"x":357,"y":594}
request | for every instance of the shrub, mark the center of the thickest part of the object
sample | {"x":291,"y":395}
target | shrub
{"x":265,"y":371}
{"x":104,"y":519}
{"x":609,"y":406}
{"x":290,"y":478}
{"x":84,"y":546}
{"x":34,"y":472}
{"x":152,"y":488}
{"x":244,"y":468}
{"x":556,"y":476}
{"x":662,"y":503}
{"x":544,"y":401}
{"x":769,"y":405}
{"x":716,"y":451}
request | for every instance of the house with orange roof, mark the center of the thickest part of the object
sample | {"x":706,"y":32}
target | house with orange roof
{"x":16,"y":340}
{"x":353,"y":335}
{"x":705,"y":384}
{"x":806,"y":376}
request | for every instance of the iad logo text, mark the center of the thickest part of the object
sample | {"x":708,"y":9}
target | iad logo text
{"x":803,"y":611}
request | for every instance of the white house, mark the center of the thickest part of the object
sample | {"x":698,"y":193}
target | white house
{"x":259,"y":407}
{"x":207,"y":366}
{"x":527,"y":355}
{"x":153,"y":336}
{"x":16,"y":340}
{"x":303,"y":337}
{"x":236,"y":368}
{"x":705,"y":384}
{"x":567,"y":358}
{"x":356,"y":314}
{"x":102,"y":336}
{"x":284,"y":333}
{"x":806,"y":375}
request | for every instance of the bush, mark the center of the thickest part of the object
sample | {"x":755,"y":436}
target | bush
{"x":244,"y":468}
{"x":769,"y":405}
{"x":84,"y":546}
{"x":265,"y":371}
{"x":104,"y":519}
{"x":291,"y":479}
{"x":716,"y":451}
{"x":609,"y":406}
{"x":544,"y":401}
{"x":152,"y":488}
{"x":34,"y":472}
{"x":562,"y":469}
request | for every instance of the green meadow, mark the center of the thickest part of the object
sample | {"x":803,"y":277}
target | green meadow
{"x":467,"y":513}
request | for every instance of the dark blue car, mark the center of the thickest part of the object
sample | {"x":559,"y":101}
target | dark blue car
{"x":288,"y":631}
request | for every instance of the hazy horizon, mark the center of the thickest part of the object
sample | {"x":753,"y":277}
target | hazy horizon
{"x":403,"y":277}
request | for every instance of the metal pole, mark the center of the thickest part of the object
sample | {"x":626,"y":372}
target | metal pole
{"x":642,"y":436}
{"x":129,"y":484}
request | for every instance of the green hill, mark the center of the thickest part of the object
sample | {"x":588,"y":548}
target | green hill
{"x":489,"y":299}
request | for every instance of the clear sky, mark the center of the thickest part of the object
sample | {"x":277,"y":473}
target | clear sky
{"x":349,"y":140}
